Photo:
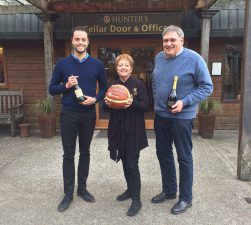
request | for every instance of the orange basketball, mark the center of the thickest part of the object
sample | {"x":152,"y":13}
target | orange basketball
{"x":117,"y":96}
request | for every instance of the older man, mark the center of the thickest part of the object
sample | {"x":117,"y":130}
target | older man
{"x":174,"y":125}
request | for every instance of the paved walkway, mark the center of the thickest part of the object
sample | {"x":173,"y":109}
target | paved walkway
{"x":31,"y":185}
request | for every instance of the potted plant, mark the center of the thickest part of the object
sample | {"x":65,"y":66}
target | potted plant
{"x":46,"y":116}
{"x":206,"y":117}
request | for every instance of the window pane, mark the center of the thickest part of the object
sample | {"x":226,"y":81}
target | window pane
{"x":232,"y":75}
{"x":143,"y":68}
{"x":108,"y":56}
{"x":1,"y":66}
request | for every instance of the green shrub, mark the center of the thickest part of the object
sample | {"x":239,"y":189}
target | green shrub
{"x":209,"y":106}
{"x":44,"y":106}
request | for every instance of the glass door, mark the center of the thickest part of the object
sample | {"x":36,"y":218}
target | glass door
{"x":108,"y":56}
{"x":143,"y":53}
{"x":144,"y":60}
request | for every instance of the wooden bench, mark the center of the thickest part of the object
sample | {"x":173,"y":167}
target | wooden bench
{"x":11,"y":109}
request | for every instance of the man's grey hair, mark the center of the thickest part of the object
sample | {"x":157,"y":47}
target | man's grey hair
{"x":173,"y":28}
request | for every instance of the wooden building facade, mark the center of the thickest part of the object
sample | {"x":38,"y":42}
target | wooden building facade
{"x":121,"y":26}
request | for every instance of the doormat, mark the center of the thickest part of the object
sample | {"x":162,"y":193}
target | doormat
{"x":103,"y":134}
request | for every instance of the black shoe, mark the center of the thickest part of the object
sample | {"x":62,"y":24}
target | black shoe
{"x":180,"y":207}
{"x":65,"y":203}
{"x":124,"y":196}
{"x":134,"y":208}
{"x":162,"y":197}
{"x":84,"y":194}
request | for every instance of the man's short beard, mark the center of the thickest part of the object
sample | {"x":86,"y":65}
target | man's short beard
{"x":80,"y":52}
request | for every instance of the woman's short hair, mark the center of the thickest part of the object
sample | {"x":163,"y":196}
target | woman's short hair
{"x":125,"y":57}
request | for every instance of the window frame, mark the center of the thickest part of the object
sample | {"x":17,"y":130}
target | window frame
{"x":5,"y":84}
{"x":240,"y":47}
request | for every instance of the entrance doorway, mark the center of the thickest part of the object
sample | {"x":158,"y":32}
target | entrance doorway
{"x":143,"y":53}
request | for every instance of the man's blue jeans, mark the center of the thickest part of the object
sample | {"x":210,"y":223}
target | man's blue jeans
{"x":179,"y":132}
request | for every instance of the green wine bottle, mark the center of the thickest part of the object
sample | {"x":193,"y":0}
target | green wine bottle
{"x":172,"y":98}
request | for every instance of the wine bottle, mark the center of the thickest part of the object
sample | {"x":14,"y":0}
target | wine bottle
{"x":172,"y":98}
{"x":79,"y":93}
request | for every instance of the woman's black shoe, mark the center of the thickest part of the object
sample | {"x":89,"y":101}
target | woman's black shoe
{"x":85,"y":195}
{"x":135,"y":207}
{"x":124,"y":196}
{"x":65,"y":203}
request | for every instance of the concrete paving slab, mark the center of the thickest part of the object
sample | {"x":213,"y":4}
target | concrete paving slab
{"x":32,"y":187}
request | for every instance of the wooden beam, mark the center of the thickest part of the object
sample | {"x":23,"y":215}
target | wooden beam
{"x":16,"y":9}
{"x":40,"y":4}
{"x":201,"y":4}
{"x":205,"y":4}
{"x":111,"y":6}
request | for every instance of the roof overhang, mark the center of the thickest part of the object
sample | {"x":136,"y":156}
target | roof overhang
{"x":100,"y":6}
{"x":91,"y":6}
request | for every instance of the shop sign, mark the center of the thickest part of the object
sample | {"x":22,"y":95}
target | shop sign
{"x":140,"y":23}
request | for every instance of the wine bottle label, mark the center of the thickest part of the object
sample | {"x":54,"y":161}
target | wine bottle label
{"x":78,"y":93}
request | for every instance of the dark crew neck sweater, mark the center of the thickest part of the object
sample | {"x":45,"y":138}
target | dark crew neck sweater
{"x":89,"y":73}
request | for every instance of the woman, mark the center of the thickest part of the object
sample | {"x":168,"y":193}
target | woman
{"x":126,"y":131}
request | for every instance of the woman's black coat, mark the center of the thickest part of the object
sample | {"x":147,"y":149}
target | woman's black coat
{"x":126,"y":129}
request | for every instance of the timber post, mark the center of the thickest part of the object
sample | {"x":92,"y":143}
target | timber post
{"x":244,"y":147}
{"x":48,"y":46}
{"x":206,"y":15}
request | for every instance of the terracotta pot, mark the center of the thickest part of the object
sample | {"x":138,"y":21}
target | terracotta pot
{"x":47,"y":125}
{"x":24,"y":129}
{"x":206,"y":124}
{"x":199,"y":122}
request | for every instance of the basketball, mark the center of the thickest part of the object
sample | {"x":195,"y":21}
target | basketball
{"x":117,"y":96}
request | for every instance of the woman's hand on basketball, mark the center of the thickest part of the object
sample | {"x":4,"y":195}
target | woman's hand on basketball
{"x":129,"y":102}
{"x":106,"y":102}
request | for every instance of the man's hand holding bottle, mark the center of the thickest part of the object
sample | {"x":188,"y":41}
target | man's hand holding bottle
{"x":82,"y":99}
{"x":72,"y":81}
{"x":88,"y":100}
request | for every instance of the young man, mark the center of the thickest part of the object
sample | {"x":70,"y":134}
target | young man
{"x":77,"y":119}
{"x":175,"y":125}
